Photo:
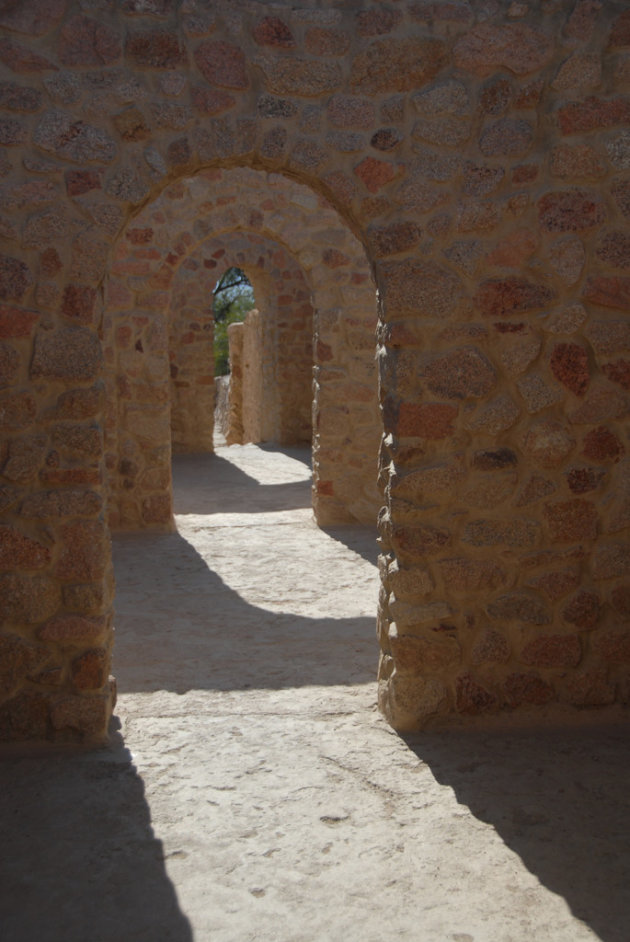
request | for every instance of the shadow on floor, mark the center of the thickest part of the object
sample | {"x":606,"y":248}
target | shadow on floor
{"x":560,"y":800}
{"x":79,"y":857}
{"x":180,"y":627}
{"x":298,"y":452}
{"x":209,"y":484}
{"x":358,"y":538}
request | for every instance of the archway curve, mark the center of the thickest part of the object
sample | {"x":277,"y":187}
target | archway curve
{"x":278,"y":406}
{"x":431,"y":127}
{"x":212,"y":205}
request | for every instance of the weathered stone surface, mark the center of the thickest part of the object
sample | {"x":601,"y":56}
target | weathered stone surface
{"x":15,"y":278}
{"x":548,"y":443}
{"x":494,"y":460}
{"x":272,"y":31}
{"x":571,"y":521}
{"x":292,"y":75}
{"x":420,"y":542}
{"x":592,"y":114}
{"x":71,"y":353}
{"x":590,"y":689}
{"x":88,"y":598}
{"x":569,"y":364}
{"x":420,"y":288}
{"x":568,"y":320}
{"x":580,"y":72}
{"x":465,"y":574}
{"x":534,"y":489}
{"x":71,"y":502}
{"x":155,"y":49}
{"x":9,"y":365}
{"x":614,"y":248}
{"x":601,"y":444}
{"x":578,"y":161}
{"x":517,"y":348}
{"x":620,"y":598}
{"x":85,"y":551}
{"x":323,"y":41}
{"x":461,"y":374}
{"x":621,"y":194}
{"x":602,"y":403}
{"x":618,"y":150}
{"x":517,"y":532}
{"x":90,"y":670}
{"x":21,"y":59}
{"x":29,"y":599}
{"x":32,"y":17}
{"x":508,"y":137}
{"x":583,"y":480}
{"x":25,"y":458}
{"x":572,"y":210}
{"x":17,"y":550}
{"x":611,"y":561}
{"x":608,"y":292}
{"x":481,"y":180}
{"x":421,"y":655}
{"x":553,"y":651}
{"x":397,"y":65}
{"x":430,"y":420}
{"x":515,"y":249}
{"x":18,"y":659}
{"x":375,"y":174}
{"x":555,"y":585}
{"x":514,"y":46}
{"x":519,"y":607}
{"x":496,"y":416}
{"x":609,"y":336}
{"x":85,"y":41}
{"x":88,"y":716}
{"x":472,"y":698}
{"x":16,"y":97}
{"x":492,"y":647}
{"x":527,"y":689}
{"x":156,"y":509}
{"x":618,"y":372}
{"x":389,"y":240}
{"x":536,"y":393}
{"x":583,"y":610}
{"x":502,"y":298}
{"x":73,"y":629}
{"x":62,"y":134}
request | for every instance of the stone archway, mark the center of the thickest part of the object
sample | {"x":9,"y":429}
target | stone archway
{"x":282,"y":293}
{"x":321,"y":302}
{"x":479,"y":154}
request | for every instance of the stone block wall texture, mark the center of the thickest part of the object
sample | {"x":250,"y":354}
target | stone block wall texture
{"x":478,"y":153}
{"x":159,"y":321}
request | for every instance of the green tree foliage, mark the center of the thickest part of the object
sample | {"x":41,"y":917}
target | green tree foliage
{"x":233,"y":298}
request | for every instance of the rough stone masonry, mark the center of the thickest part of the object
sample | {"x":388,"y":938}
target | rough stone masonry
{"x":457,"y":171}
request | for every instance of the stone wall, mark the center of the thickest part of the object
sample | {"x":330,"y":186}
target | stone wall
{"x":477,"y":153}
{"x":159,"y":320}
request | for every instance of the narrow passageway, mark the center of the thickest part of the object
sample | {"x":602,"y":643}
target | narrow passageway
{"x":252,"y":793}
{"x":248,"y":593}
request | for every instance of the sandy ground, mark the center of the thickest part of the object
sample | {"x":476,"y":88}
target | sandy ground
{"x":252,"y":792}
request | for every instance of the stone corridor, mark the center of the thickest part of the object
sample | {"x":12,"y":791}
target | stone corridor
{"x":251,"y":790}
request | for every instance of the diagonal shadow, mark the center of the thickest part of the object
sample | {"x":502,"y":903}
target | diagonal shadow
{"x":298,"y":452}
{"x":209,"y":484}
{"x":180,"y":627}
{"x":560,"y":799}
{"x":79,"y":857}
{"x":354,"y":537}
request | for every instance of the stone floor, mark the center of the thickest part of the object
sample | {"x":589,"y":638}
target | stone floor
{"x":252,"y":792}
